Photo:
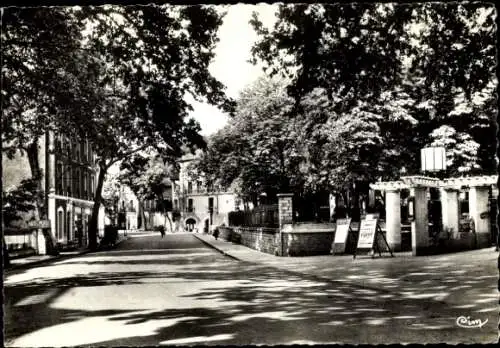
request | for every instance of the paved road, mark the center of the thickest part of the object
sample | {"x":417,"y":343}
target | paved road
{"x":175,"y":290}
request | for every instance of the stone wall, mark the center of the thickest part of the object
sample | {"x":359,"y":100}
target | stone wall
{"x":307,"y":239}
{"x":265,"y":240}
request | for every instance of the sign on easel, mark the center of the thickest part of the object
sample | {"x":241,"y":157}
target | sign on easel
{"x":370,"y":235}
{"x":341,"y":234}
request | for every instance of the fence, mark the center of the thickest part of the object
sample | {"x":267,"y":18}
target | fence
{"x":260,"y":216}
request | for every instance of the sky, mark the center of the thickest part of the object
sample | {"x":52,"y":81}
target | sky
{"x":230,"y":64}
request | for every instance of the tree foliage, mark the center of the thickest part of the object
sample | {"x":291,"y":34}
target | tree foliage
{"x":121,"y":77}
{"x":413,"y":67}
{"x":355,"y":91}
{"x":17,"y":201}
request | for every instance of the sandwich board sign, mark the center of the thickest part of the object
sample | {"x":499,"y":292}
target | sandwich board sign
{"x":341,"y":234}
{"x":369,"y":236}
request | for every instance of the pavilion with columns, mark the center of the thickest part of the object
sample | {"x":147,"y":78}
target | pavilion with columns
{"x":478,"y":187}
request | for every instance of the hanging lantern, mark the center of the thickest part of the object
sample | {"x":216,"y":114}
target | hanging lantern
{"x":433,"y":159}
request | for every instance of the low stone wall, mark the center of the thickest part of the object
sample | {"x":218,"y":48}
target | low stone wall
{"x":308,"y":239}
{"x":225,"y":233}
{"x":262,"y":239}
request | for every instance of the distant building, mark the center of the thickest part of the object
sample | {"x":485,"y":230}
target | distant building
{"x":200,"y":204}
{"x":128,"y":209}
{"x":131,"y":211}
{"x":69,"y":181}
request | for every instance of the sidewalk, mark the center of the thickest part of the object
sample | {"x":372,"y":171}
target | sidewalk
{"x":383,"y":273}
{"x":31,"y":261}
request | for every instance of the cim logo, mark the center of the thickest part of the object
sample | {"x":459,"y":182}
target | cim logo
{"x":468,"y":323}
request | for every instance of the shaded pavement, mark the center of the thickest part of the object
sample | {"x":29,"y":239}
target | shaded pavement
{"x":176,"y":290}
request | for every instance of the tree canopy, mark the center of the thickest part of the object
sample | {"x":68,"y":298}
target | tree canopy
{"x":354,"y":91}
{"x":414,"y":67}
{"x":118,"y":75}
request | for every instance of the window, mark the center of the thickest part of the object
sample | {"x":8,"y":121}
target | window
{"x":190,"y":187}
{"x":68,"y":181}
{"x":77,"y":182}
{"x":85,"y":186}
{"x":77,"y":150}
{"x":199,"y":186}
{"x":68,"y":225}
{"x":60,"y":223}
{"x":58,"y":178}
{"x":84,"y":149}
{"x":190,"y":205}
{"x":176,"y":204}
{"x":92,"y":186}
{"x":58,"y":143}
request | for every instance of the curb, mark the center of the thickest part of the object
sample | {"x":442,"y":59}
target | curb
{"x":14,"y":267}
{"x":216,"y":248}
{"x":59,"y":257}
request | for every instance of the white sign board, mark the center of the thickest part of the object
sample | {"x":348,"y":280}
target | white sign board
{"x":39,"y":224}
{"x":367,"y":233}
{"x":342,"y":230}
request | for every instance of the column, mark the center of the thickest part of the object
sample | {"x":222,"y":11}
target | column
{"x":285,"y":213}
{"x":449,"y":210}
{"x":478,"y":203}
{"x":420,"y":224}
{"x":393,"y":219}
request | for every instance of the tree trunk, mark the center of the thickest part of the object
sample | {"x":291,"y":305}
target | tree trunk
{"x":165,"y":213}
{"x":143,"y":216}
{"x":93,"y":226}
{"x":40,"y":203}
{"x":6,"y":259}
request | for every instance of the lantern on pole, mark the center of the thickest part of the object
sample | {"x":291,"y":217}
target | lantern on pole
{"x":433,"y":159}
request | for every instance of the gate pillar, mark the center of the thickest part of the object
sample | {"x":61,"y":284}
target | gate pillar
{"x":449,"y":206}
{"x":420,"y":224}
{"x":393,"y":218}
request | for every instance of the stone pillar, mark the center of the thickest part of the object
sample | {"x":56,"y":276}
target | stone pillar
{"x":393,"y":219}
{"x":449,"y":210}
{"x":40,"y":243}
{"x":420,"y":224}
{"x":285,"y":213}
{"x":285,"y":207}
{"x":478,"y":203}
{"x":371,"y":198}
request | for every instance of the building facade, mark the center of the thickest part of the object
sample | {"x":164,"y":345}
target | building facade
{"x":69,"y":169}
{"x":134,"y":214}
{"x":199,"y":204}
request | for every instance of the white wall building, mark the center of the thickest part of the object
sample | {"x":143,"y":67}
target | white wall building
{"x":202,"y":205}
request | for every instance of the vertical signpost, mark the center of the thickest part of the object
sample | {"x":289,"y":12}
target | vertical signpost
{"x":341,"y":234}
{"x":369,"y":236}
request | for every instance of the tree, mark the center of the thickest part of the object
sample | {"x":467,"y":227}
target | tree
{"x":258,"y":148}
{"x":33,"y":51}
{"x":127,"y":80}
{"x":416,"y":66}
{"x":461,"y":150}
{"x":110,"y":193}
{"x":148,"y":177}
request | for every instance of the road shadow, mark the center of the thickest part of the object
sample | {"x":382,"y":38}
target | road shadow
{"x":241,"y":303}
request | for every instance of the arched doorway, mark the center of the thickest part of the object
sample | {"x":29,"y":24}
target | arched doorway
{"x":190,"y":224}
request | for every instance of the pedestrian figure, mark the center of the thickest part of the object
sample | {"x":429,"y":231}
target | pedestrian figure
{"x":162,"y":231}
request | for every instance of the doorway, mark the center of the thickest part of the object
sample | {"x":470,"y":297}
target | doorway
{"x":190,"y":223}
{"x":206,"y":226}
